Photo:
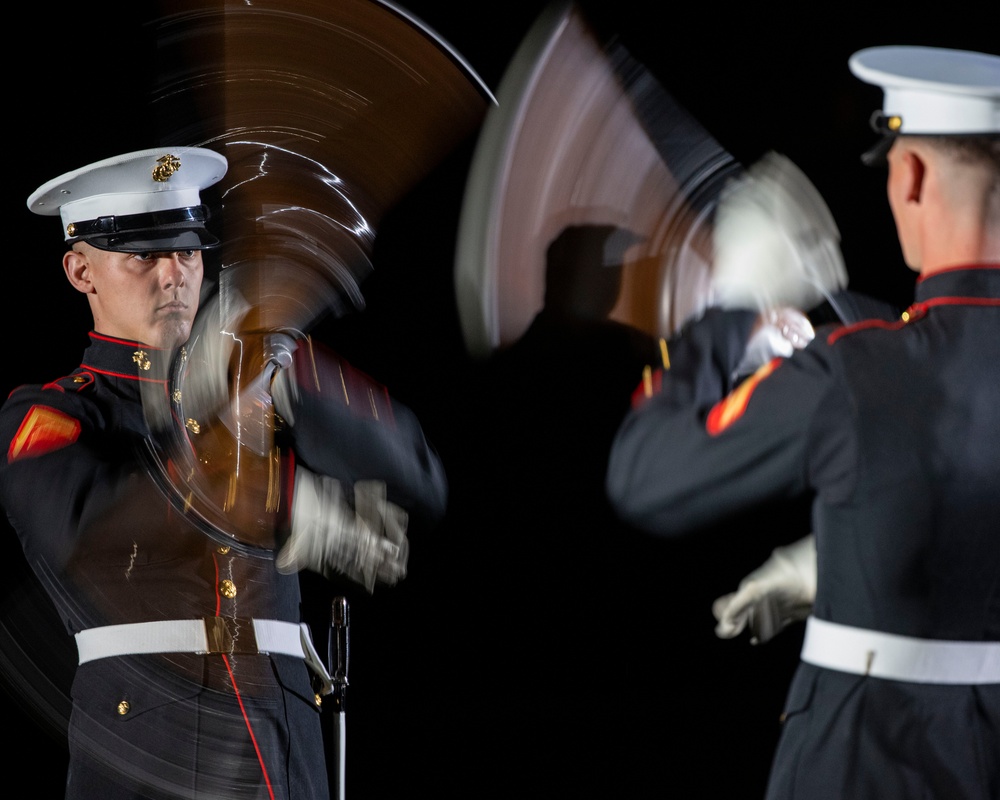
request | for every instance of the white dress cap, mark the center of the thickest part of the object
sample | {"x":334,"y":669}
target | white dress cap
{"x":138,"y":200}
{"x":933,"y":91}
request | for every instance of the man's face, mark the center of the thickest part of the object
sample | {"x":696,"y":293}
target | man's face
{"x":147,"y":297}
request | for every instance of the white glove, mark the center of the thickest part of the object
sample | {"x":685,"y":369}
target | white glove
{"x":208,"y":375}
{"x":229,"y":371}
{"x":284,"y":394}
{"x":781,"y":332}
{"x":365,"y":541}
{"x":775,"y":241}
{"x":780,"y":591}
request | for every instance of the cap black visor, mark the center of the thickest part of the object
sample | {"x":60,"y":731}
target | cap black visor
{"x":153,"y":241}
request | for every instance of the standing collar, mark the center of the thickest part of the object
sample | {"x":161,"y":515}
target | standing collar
{"x":972,"y":280}
{"x":126,"y":359}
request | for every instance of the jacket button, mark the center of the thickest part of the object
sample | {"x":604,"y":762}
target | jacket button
{"x":123,"y":708}
{"x":228,"y":589}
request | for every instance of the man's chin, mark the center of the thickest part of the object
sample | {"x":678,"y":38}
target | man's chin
{"x":171,"y":333}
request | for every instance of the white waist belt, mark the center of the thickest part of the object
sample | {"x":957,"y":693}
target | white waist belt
{"x":202,"y":636}
{"x":899,"y":658}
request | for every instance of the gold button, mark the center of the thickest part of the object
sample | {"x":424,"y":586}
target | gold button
{"x":223,"y":549}
{"x":124,"y":708}
{"x":79,"y":379}
{"x":319,"y":700}
{"x":914,"y":312}
{"x":228,"y":589}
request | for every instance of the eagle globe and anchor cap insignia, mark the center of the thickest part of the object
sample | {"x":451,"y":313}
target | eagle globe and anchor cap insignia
{"x":165,"y":167}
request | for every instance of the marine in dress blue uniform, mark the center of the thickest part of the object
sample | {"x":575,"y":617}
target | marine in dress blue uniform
{"x":194,"y":677}
{"x":891,"y":427}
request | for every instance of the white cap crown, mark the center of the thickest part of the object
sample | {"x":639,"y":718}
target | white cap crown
{"x":933,"y":91}
{"x":145,"y":200}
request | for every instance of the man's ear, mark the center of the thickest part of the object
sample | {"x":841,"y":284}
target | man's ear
{"x":914,"y":173}
{"x":77,"y":268}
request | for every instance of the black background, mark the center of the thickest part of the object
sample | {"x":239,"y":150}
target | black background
{"x":536,"y":649}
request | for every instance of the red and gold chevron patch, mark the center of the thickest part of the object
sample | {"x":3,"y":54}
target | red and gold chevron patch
{"x":42,"y":430}
{"x":731,"y":407}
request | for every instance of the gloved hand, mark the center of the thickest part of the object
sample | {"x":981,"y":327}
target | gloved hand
{"x":781,"y":332}
{"x":208,"y":375}
{"x":365,"y":541}
{"x":780,"y":591}
{"x":775,"y":241}
{"x":228,"y":371}
{"x":284,"y":395}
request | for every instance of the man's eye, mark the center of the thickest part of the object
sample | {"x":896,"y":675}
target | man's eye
{"x":188,"y":253}
{"x":143,"y":256}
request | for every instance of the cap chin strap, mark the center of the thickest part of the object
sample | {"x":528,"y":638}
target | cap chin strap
{"x":875,"y":156}
{"x":132,"y":223}
{"x":888,"y":125}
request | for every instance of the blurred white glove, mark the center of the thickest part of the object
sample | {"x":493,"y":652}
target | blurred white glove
{"x":228,"y":371}
{"x":775,"y":241}
{"x":365,"y":541}
{"x":781,"y":332}
{"x":780,"y":591}
{"x":284,"y":394}
{"x":208,"y":375}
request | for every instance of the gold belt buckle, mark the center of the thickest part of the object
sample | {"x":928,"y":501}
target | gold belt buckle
{"x":230,"y":635}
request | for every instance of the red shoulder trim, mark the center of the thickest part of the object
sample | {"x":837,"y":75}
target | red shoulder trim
{"x":864,"y":325}
{"x":80,"y":380}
